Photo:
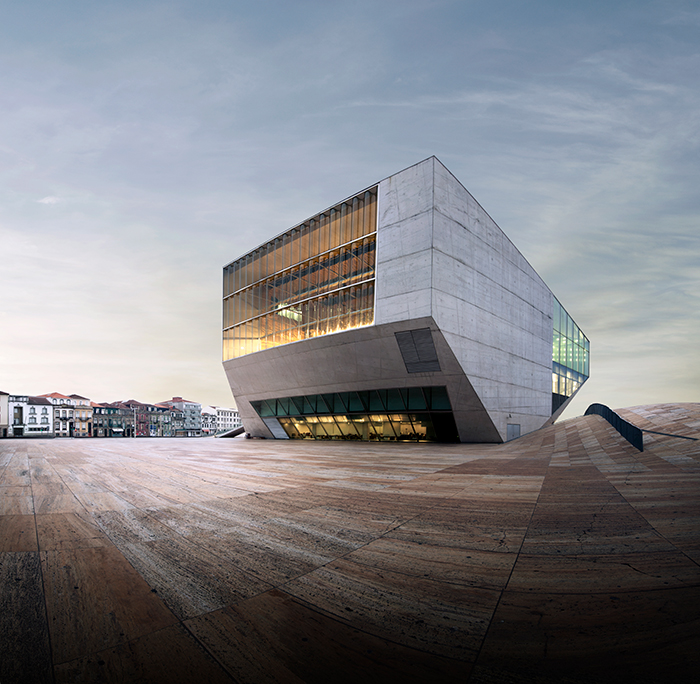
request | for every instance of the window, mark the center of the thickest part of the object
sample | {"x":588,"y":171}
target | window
{"x":44,"y":411}
{"x":316,"y":279}
{"x":570,"y":356}
{"x":44,"y":420}
{"x":32,"y":409}
{"x":415,"y":413}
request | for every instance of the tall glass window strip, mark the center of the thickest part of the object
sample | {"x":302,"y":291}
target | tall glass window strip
{"x":570,"y":356}
{"x":403,"y":414}
{"x":315,"y":279}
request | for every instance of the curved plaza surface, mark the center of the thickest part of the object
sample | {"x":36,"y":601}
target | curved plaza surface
{"x":566,"y":555}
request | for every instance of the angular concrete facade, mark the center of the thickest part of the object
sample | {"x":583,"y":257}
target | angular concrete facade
{"x":443,"y":266}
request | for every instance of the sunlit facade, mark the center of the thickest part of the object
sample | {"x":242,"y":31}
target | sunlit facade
{"x":314,"y":279}
{"x":402,"y":313}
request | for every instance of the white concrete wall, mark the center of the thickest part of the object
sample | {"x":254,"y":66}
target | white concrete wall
{"x":492,"y":307}
{"x":440,"y":254}
{"x":404,"y":245}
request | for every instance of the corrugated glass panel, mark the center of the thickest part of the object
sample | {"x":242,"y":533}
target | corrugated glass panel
{"x":327,"y":254}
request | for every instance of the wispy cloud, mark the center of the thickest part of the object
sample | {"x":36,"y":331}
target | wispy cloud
{"x":169,"y":139}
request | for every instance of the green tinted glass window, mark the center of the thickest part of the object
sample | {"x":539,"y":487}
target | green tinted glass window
{"x":570,"y":356}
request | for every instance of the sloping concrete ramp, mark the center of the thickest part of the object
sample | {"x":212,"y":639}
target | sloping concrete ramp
{"x":232,"y":433}
{"x":564,"y":556}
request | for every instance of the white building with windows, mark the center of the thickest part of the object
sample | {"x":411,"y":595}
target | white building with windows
{"x":30,"y":416}
{"x":227,"y":419}
{"x":217,"y":419}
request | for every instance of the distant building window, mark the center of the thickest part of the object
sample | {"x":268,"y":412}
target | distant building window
{"x":32,"y":419}
{"x":44,"y":411}
{"x":44,"y":419}
{"x":32,"y":409}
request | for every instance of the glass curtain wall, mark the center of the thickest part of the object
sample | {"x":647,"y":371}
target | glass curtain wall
{"x":315,"y":279}
{"x":570,"y":357}
{"x":403,"y":414}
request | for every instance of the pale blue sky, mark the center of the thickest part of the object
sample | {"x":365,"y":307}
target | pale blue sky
{"x":143,"y":145}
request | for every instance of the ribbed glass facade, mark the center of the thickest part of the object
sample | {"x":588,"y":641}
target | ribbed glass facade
{"x":314,"y":279}
{"x":570,"y":356}
{"x":404,"y":414}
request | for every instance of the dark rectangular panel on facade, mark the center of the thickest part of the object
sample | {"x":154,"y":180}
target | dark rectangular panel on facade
{"x":418,"y":350}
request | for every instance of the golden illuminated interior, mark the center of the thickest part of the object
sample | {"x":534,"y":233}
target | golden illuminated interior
{"x":315,"y":279}
{"x":405,"y":413}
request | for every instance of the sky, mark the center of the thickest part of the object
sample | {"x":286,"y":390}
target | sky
{"x":144,"y":145}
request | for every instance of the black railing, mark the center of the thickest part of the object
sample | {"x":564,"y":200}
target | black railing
{"x":630,"y":432}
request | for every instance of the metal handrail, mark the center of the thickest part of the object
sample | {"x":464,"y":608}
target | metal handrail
{"x":629,"y":431}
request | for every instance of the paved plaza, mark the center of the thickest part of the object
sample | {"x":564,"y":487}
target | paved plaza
{"x":563,"y":556}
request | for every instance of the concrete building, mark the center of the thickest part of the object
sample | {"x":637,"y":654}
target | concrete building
{"x":63,"y":418}
{"x":402,"y":313}
{"x":83,"y":416}
{"x":72,"y":414}
{"x":186,"y":417}
{"x":109,"y":420}
{"x":208,"y":420}
{"x":141,"y":417}
{"x":121,"y":420}
{"x":161,"y":421}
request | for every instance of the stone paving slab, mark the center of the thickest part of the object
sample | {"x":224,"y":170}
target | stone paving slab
{"x":563,"y":556}
{"x":24,"y":634}
{"x":95,"y":599}
{"x":277,"y":638}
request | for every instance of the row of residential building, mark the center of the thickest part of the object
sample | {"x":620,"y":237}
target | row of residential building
{"x":61,"y":415}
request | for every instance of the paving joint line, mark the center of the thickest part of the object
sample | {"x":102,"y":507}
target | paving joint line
{"x":512,"y":569}
{"x":41,"y":570}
